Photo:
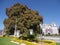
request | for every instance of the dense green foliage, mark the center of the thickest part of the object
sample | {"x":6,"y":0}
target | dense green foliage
{"x":59,"y":30}
{"x":26,"y":19}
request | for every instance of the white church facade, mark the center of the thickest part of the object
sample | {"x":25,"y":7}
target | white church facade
{"x":49,"y":28}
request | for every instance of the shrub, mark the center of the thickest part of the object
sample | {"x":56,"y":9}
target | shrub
{"x":3,"y":35}
{"x":28,"y":37}
{"x":31,"y":37}
{"x":24,"y":41}
{"x":23,"y":37}
{"x":48,"y":42}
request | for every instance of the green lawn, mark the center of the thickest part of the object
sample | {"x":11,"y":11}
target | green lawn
{"x":58,"y":44}
{"x":6,"y":41}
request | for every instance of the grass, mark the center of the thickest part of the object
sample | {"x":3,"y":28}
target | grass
{"x":57,"y":43}
{"x":6,"y":41}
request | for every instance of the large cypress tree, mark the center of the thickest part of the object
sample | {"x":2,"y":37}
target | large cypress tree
{"x":26,"y":19}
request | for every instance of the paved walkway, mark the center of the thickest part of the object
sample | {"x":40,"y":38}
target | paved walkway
{"x":55,"y":38}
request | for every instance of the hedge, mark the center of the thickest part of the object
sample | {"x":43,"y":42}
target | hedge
{"x":48,"y":42}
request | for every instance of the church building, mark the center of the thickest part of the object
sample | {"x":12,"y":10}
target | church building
{"x":49,"y":29}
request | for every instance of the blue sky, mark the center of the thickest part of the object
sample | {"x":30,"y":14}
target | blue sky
{"x":49,"y":9}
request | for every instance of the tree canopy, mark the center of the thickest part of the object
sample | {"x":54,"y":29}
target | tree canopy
{"x":26,"y":18}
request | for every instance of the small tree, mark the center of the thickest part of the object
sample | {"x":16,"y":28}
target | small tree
{"x":59,"y":30}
